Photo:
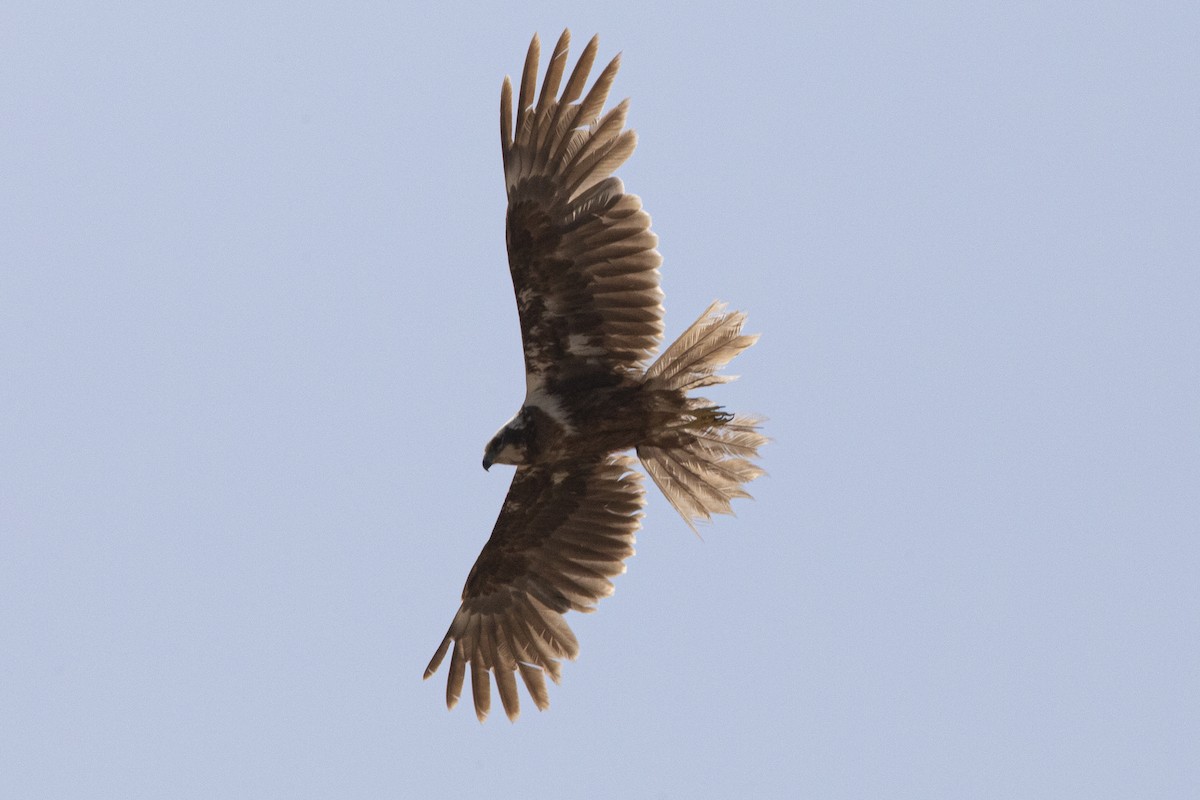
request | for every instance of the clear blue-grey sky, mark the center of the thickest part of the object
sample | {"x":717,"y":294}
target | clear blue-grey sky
{"x":256,"y":326}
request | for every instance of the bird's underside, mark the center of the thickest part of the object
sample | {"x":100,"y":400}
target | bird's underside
{"x":585,"y":275}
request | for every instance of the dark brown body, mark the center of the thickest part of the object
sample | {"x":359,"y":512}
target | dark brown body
{"x":594,"y":416}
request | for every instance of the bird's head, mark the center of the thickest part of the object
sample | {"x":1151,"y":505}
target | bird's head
{"x":510,"y":445}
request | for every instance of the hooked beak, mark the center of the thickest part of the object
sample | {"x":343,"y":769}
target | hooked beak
{"x":487,"y":463}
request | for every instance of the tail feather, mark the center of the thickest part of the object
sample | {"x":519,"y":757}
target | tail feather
{"x":708,"y":344}
{"x":705,"y":462}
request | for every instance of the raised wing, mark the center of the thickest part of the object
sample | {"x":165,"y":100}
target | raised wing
{"x":580,"y":250}
{"x":564,"y":530}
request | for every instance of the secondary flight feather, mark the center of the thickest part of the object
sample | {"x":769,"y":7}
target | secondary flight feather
{"x":585,"y":273}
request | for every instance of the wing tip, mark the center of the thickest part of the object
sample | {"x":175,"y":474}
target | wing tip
{"x":438,"y":655}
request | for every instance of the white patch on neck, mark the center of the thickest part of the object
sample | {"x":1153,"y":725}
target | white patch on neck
{"x":536,"y":395}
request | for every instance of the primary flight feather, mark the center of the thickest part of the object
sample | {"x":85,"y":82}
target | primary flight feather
{"x":585,"y":273}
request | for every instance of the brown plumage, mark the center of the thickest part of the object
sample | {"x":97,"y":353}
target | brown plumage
{"x":585,"y":274}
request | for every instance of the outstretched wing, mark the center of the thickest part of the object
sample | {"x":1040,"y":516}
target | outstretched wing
{"x":580,"y":249}
{"x":564,"y":530}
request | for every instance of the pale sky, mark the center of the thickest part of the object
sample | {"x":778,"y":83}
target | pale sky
{"x":256,"y":327}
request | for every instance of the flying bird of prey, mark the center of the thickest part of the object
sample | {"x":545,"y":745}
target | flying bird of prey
{"x":585,"y":271}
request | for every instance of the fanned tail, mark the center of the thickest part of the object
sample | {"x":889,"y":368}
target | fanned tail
{"x":703,"y":460}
